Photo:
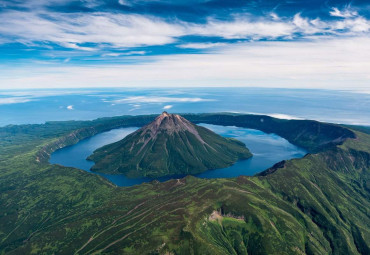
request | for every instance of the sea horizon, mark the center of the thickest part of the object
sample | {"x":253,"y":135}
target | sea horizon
{"x":333,"y":106}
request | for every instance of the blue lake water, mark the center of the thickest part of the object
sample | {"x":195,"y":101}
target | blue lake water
{"x":38,"y":106}
{"x":267,"y":150}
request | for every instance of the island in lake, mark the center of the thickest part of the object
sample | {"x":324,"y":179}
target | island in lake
{"x":170,"y":145}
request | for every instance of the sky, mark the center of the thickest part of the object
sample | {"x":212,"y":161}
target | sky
{"x":185,"y":43}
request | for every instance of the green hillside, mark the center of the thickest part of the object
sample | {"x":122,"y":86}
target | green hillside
{"x":318,"y":204}
{"x":169,"y":145}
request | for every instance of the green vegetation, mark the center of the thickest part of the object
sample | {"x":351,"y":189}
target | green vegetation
{"x":315,"y":205}
{"x":170,"y":145}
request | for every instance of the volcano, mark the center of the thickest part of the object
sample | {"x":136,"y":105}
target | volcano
{"x":170,"y":145}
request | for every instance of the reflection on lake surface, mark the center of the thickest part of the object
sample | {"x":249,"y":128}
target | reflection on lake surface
{"x":267,"y":150}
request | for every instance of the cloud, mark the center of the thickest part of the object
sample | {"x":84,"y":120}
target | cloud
{"x":135,"y":52}
{"x":156,"y":99}
{"x":247,"y":50}
{"x":130,"y":53}
{"x":33,"y":94}
{"x":167,"y":107}
{"x":124,"y":2}
{"x":241,"y":28}
{"x":70,"y":107}
{"x":74,"y":30}
{"x":283,"y":116}
{"x":274,"y":16}
{"x":357,"y":25}
{"x":200,"y":45}
{"x":340,"y":63}
{"x":308,"y":26}
{"x":274,"y":115}
{"x":95,"y":31}
{"x":134,"y":107}
{"x":111,"y":55}
{"x":14,"y":100}
{"x":346,"y":13}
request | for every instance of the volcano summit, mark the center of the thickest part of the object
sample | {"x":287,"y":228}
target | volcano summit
{"x":169,"y":145}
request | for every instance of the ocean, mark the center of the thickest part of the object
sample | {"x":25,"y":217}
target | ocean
{"x":39,"y":106}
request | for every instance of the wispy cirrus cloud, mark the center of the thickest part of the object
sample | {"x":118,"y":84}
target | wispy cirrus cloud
{"x":67,"y":43}
{"x":98,"y":30}
{"x":74,"y":30}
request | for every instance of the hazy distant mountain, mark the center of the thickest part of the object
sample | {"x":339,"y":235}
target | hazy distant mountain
{"x":167,"y":146}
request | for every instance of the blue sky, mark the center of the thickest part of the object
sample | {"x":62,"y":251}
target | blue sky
{"x":112,"y":43}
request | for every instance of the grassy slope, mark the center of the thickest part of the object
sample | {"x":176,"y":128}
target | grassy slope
{"x":315,"y":205}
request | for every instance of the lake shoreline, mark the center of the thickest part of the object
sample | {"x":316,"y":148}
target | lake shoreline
{"x":268,"y":149}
